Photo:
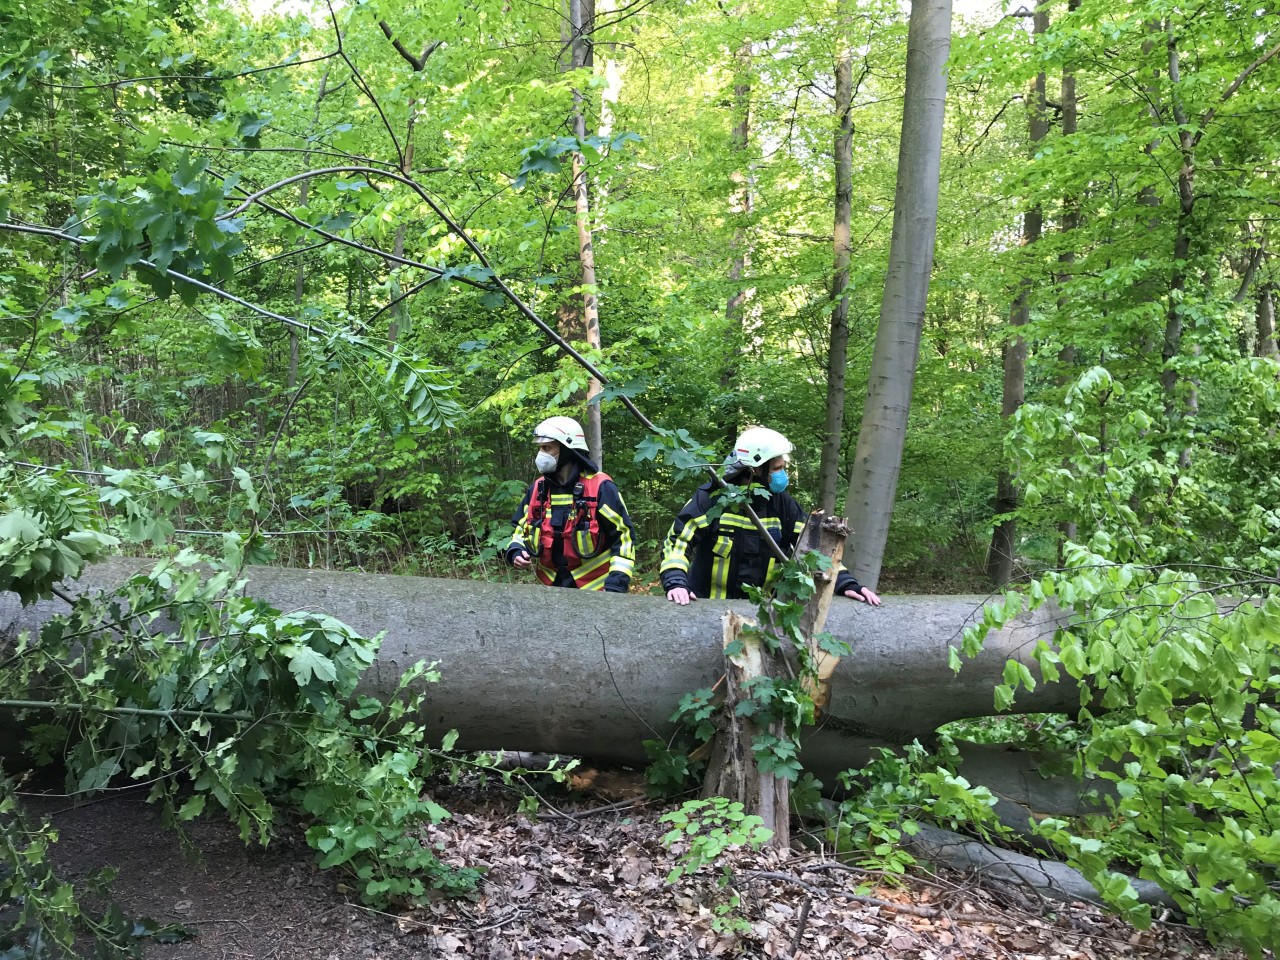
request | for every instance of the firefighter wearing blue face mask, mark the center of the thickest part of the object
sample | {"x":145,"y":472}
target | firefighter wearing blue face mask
{"x":711,"y":552}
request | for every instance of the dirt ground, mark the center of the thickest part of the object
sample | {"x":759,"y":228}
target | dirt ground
{"x":583,"y":880}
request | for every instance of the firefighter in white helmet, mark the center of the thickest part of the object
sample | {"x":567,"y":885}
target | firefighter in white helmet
{"x":712,"y":556}
{"x":572,"y":528}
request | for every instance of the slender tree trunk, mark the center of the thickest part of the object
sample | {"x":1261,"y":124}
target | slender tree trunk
{"x":299,"y":291}
{"x":418,"y":63}
{"x":300,"y":271}
{"x":1181,"y":256}
{"x":406,"y":168}
{"x":1067,"y":529}
{"x":1266,"y":318}
{"x":878,"y":460}
{"x":580,"y":16}
{"x":838,"y":343}
{"x":1182,"y":237}
{"x":1004,"y":536}
{"x":740,"y":205}
{"x":612,"y":69}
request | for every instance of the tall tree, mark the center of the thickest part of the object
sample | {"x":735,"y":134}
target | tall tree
{"x":581,"y":18}
{"x":1004,"y":535}
{"x":838,"y":342}
{"x":1266,"y":320}
{"x":740,"y":204}
{"x":1067,"y":529}
{"x":874,"y":478}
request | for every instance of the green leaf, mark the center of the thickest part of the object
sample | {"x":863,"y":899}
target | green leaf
{"x":305,"y":663}
{"x":192,"y":808}
{"x":97,"y":777}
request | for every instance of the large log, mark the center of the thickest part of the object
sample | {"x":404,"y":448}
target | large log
{"x":525,"y":667}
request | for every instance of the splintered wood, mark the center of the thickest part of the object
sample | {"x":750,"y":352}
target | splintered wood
{"x":733,"y":771}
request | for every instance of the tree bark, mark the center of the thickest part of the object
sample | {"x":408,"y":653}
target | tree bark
{"x":1181,"y":239}
{"x":878,"y":459}
{"x":838,"y":342}
{"x":299,"y":289}
{"x":1068,"y":529}
{"x":406,"y":169}
{"x":1047,"y":877}
{"x":733,"y":771}
{"x":740,"y":205}
{"x":580,"y":24}
{"x":1266,"y":319}
{"x":531,"y":668}
{"x":1004,"y":535}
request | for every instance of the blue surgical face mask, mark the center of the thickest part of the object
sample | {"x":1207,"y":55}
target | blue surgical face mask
{"x":778,"y":481}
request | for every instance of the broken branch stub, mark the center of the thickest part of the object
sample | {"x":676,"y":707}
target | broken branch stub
{"x":825,"y":535}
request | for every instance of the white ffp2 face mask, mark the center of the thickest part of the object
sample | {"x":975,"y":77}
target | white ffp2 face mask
{"x":544,"y":462}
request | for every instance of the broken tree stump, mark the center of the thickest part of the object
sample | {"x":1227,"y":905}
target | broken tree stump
{"x":751,"y":660}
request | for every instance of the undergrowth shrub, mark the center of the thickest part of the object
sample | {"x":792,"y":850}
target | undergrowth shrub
{"x":1178,"y":670}
{"x":219,"y":700}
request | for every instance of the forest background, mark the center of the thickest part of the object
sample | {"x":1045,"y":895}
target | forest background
{"x":1105,"y":203}
{"x":270,"y":285}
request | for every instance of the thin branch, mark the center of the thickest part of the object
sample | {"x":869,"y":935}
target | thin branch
{"x":418,"y":63}
{"x":257,"y":195}
{"x":198,"y":284}
{"x":1250,"y":269}
{"x":127,"y":81}
{"x":364,"y":87}
{"x":56,"y":706}
{"x":284,"y":420}
{"x":405,"y":295}
{"x":1234,"y":86}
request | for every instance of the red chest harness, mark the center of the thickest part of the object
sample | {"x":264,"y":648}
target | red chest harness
{"x":580,"y":536}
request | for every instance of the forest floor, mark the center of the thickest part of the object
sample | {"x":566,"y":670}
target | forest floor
{"x":580,"y":879}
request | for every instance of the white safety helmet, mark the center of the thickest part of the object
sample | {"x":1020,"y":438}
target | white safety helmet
{"x":565,"y":431}
{"x":759,"y":445}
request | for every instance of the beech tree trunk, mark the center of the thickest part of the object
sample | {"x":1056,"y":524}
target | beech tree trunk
{"x":735,"y":308}
{"x":580,"y":26}
{"x":838,"y":342}
{"x":878,"y":459}
{"x":1068,"y":530}
{"x":1004,"y":536}
{"x":1266,"y":318}
{"x":538,"y":669}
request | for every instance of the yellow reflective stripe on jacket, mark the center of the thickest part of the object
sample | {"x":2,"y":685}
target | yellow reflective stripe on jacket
{"x":623,"y":558}
{"x":588,"y":567}
{"x":722,"y":553}
{"x":579,"y":573}
{"x":676,"y":556}
{"x":526,"y":534}
{"x":772,"y":570}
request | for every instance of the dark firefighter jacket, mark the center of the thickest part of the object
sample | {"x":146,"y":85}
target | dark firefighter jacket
{"x":605,"y":563}
{"x":712,"y":556}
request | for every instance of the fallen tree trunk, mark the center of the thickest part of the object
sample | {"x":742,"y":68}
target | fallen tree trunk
{"x":1045,"y":877}
{"x":590,"y":674}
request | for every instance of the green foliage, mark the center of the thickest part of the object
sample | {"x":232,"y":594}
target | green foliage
{"x":47,"y":915}
{"x":708,"y":828}
{"x":241,"y":706}
{"x":1178,"y":672}
{"x":1099,"y":455}
{"x":48,"y":532}
{"x":891,"y":796}
{"x":171,"y":219}
{"x":766,"y":700}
